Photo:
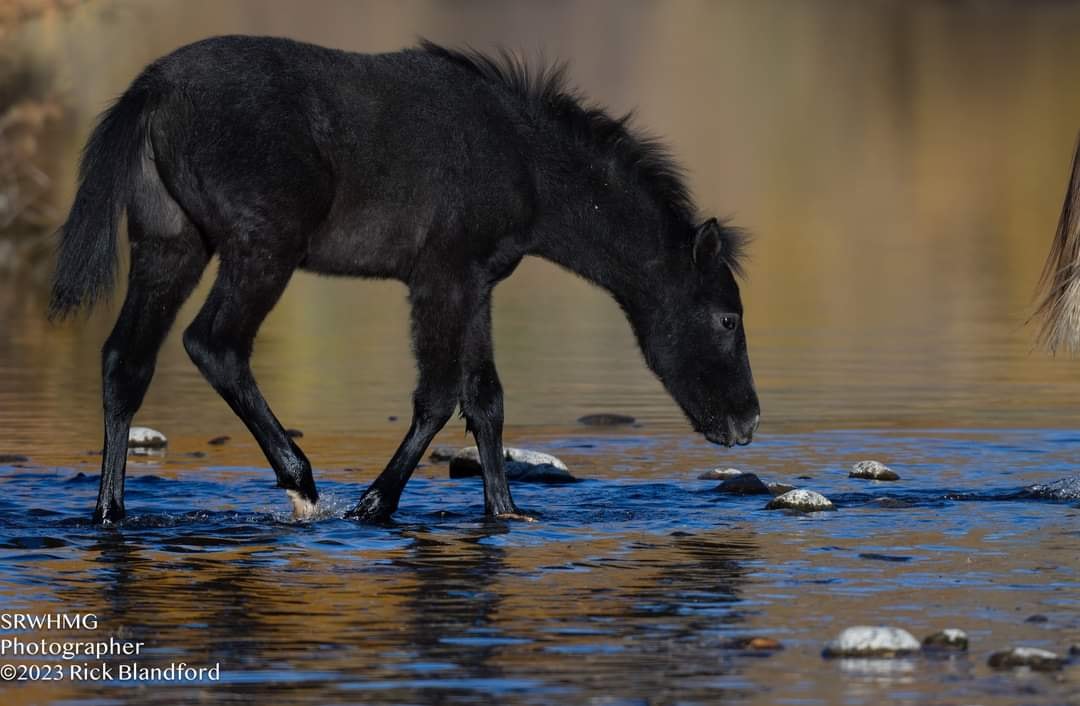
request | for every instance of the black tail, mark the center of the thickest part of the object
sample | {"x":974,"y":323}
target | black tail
{"x":87,"y":258}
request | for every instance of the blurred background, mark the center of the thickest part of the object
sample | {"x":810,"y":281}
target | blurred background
{"x":901,"y":165}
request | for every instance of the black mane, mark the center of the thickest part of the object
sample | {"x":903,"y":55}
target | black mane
{"x":545,"y":90}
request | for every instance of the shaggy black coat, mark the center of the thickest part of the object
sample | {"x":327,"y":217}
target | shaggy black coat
{"x":439,"y":168}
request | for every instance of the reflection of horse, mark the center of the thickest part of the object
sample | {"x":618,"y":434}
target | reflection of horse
{"x":438,"y":168}
{"x":1059,"y":304}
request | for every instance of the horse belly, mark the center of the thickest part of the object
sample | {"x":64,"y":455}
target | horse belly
{"x":372,"y":243}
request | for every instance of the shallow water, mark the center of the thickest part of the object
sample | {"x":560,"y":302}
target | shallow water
{"x":901,"y":166}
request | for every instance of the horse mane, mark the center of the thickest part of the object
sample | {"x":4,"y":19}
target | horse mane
{"x":546,"y":91}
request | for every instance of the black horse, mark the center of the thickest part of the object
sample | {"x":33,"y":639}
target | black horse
{"x":435,"y":167}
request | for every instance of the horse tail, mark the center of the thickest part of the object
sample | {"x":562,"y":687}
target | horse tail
{"x":87,"y":253}
{"x":1059,"y":287}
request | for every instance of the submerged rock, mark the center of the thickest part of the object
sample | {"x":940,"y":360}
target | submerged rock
{"x":1030,"y":657}
{"x":13,"y":458}
{"x":743,"y":484}
{"x":720,"y":474}
{"x":146,"y":438}
{"x":1063,"y":489}
{"x":873,"y":470}
{"x":442,"y":454}
{"x":872,"y":641}
{"x":522,"y":465}
{"x":606,"y":420}
{"x":948,"y":640}
{"x":801,"y":500}
{"x":219,"y":440}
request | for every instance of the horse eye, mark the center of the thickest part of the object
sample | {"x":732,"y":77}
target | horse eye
{"x":729,"y":321}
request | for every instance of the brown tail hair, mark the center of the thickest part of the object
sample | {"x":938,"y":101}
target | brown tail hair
{"x":1059,"y":286}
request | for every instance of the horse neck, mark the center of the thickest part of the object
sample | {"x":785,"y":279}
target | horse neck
{"x":610,"y":233}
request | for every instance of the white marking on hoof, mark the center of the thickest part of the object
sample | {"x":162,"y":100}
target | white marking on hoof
{"x":303,"y":509}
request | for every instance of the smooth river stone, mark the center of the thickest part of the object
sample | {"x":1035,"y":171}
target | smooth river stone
{"x":442,"y":454}
{"x":801,"y":500}
{"x":720,"y":474}
{"x":743,"y":484}
{"x":1030,"y":657}
{"x":872,"y":641}
{"x":779,"y":488}
{"x":947,"y":640}
{"x":521,"y":465}
{"x":873,"y":470}
{"x":606,"y":420}
{"x":146,"y":438}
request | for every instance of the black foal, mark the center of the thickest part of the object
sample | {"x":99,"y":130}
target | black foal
{"x":438,"y":168}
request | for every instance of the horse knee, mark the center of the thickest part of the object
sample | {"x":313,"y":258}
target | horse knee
{"x":432,"y":412}
{"x":482,"y":398}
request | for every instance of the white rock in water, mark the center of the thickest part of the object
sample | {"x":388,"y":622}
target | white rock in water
{"x":801,"y":500}
{"x":471,"y":455}
{"x":720,"y":474}
{"x":872,"y":641}
{"x":146,"y":438}
{"x":1030,"y":657}
{"x":873,"y":470}
{"x":1063,"y":489}
{"x":779,"y":488}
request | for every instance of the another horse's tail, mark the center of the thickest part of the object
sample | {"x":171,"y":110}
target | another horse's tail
{"x":1059,"y":287}
{"x":87,"y":254}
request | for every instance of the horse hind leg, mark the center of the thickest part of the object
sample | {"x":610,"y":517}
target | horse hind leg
{"x":220,"y":342}
{"x":168,"y":257}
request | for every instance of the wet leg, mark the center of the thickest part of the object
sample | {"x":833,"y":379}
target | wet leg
{"x":220,"y":342}
{"x":438,"y":322}
{"x":163,"y":272}
{"x":482,"y":405}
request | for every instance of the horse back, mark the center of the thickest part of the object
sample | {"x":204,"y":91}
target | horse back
{"x":372,"y":161}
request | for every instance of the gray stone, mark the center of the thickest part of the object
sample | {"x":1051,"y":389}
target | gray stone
{"x":720,"y":474}
{"x":146,"y":438}
{"x":873,"y":470}
{"x":522,"y":465}
{"x":442,"y":454}
{"x":606,"y":420}
{"x":743,"y":484}
{"x":801,"y":500}
{"x":779,"y":488}
{"x":872,"y":641}
{"x":1063,"y":489}
{"x":948,"y":640}
{"x":1030,"y":657}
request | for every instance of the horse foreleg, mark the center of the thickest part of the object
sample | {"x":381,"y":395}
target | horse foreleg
{"x":482,"y":404}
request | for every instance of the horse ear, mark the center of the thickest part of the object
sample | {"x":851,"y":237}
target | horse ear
{"x":707,"y":242}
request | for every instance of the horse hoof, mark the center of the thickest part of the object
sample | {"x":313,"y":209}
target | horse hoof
{"x":303,"y":509}
{"x":370,"y":510}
